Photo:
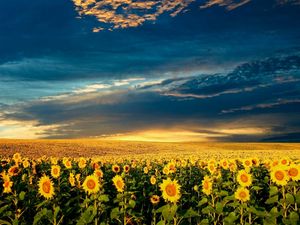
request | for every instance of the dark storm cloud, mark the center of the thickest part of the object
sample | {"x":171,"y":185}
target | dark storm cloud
{"x":266,"y":107}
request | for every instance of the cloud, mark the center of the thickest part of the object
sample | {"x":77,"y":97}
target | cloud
{"x":263,"y":105}
{"x":228,"y":4}
{"x":201,"y":109}
{"x":128,"y":13}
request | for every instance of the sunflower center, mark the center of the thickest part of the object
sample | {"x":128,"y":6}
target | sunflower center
{"x":205,"y":185}
{"x":279,"y":175}
{"x":171,"y":189}
{"x":244,"y":178}
{"x":55,"y":171}
{"x":283,"y":162}
{"x":91,"y":184}
{"x":6,"y":184}
{"x":120,"y":184}
{"x":243,"y":194}
{"x":293,"y":172}
{"x":247,"y":163}
{"x":46,"y":186}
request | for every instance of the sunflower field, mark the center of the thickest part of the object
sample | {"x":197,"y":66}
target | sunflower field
{"x":159,"y":191}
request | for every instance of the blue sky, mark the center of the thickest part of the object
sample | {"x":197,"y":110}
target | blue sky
{"x":139,"y":69}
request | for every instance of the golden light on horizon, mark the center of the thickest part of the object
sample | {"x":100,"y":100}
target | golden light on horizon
{"x":165,"y":136}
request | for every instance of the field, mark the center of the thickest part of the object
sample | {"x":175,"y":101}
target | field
{"x":93,"y":148}
{"x":114,"y":182}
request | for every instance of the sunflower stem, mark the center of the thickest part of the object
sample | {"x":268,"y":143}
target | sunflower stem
{"x":242,"y":216}
{"x":284,"y":203}
{"x":295,"y":192}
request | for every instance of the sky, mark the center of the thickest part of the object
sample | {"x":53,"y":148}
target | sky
{"x":156,"y":70}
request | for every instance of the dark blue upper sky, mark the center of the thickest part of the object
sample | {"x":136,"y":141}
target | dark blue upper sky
{"x":135,"y":68}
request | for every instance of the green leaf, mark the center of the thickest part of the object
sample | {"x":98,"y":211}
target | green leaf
{"x":229,"y":198}
{"x":223,"y":193}
{"x":230,"y":218}
{"x":169,"y":212}
{"x":298,"y":197}
{"x":190,"y":213}
{"x":15,"y":222}
{"x":56,"y":211}
{"x":2,"y":209}
{"x":162,"y":222}
{"x":22,"y":195}
{"x":103,"y":198}
{"x":272,"y":200}
{"x":41,"y":214}
{"x":289,"y":198}
{"x":202,"y":201}
{"x":207,"y":210}
{"x":269,"y":221}
{"x":4,"y":222}
{"x":87,"y":216}
{"x":294,"y":218}
{"x":204,"y":222}
{"x":131,"y":203}
{"x":159,"y":210}
{"x":274,"y":212}
{"x":256,"y":188}
{"x":273,"y":191}
{"x":219,"y":208}
{"x":115,"y":213}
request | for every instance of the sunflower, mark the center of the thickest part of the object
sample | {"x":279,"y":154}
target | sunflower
{"x":95,"y":165}
{"x":212,"y":168}
{"x":77,"y":176}
{"x":242,"y":194}
{"x":224,"y":164}
{"x":184,"y":163}
{"x":72,"y":179}
{"x":98,"y":173}
{"x":126,"y":168}
{"x":275,"y":163}
{"x":207,"y":185}
{"x":146,"y":170}
{"x":26,"y":163}
{"x":294,"y":172}
{"x":196,"y":188}
{"x":232,"y":166}
{"x":46,"y":188}
{"x":116,"y":168}
{"x":152,"y":180}
{"x":55,"y":171}
{"x":54,"y":160}
{"x":13,"y":171}
{"x":154,"y":199}
{"x":247,"y":163}
{"x":279,"y":176}
{"x":244,"y":178}
{"x":7,"y":184}
{"x":82,"y":163}
{"x":166,"y":170}
{"x":255,"y":161}
{"x":91,"y":184}
{"x":17,"y":157}
{"x":172,"y":167}
{"x":119,"y":183}
{"x":284,"y":162}
{"x":170,"y":190}
{"x":67,"y":163}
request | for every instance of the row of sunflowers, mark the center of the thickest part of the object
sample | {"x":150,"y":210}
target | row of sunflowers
{"x":142,"y":191}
